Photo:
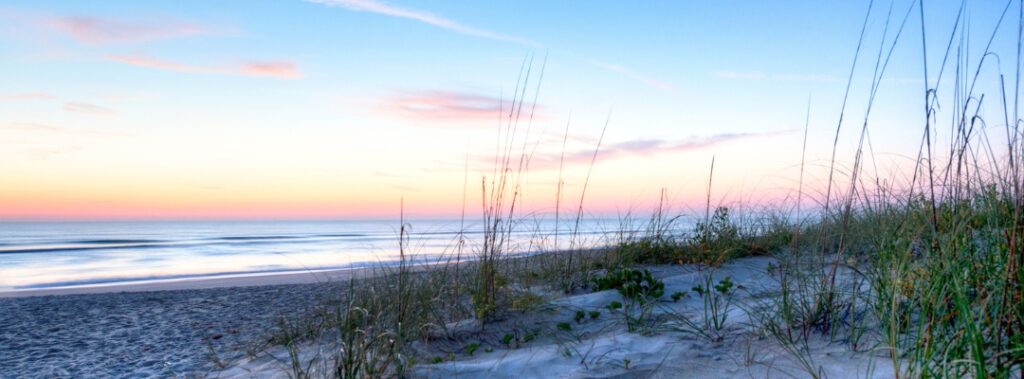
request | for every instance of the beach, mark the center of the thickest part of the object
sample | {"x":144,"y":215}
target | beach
{"x":155,"y":333}
{"x":223,"y":332}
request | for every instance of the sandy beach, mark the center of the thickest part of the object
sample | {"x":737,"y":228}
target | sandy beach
{"x":142,"y":334}
{"x":221,"y":332}
{"x":602,"y":346}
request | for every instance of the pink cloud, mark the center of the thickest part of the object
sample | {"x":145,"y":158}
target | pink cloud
{"x":647,"y":148}
{"x":101,"y":31}
{"x":447,"y":106}
{"x":275,"y":69}
{"x":89,"y":109}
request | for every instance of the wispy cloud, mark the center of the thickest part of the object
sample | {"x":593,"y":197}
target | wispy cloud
{"x":447,"y":106}
{"x":26,"y":96}
{"x":383,"y":8}
{"x":44,"y":153}
{"x":277,"y":69}
{"x":649,"y":147}
{"x":105,"y":31}
{"x":87,"y":108}
{"x":635,"y":75}
{"x":380,"y":7}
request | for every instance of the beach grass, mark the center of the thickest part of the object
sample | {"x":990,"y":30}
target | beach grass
{"x":926,"y":271}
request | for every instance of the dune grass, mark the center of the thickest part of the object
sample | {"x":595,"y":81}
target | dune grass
{"x":930,"y":272}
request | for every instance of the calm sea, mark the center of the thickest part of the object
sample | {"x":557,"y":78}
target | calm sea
{"x":61,"y":254}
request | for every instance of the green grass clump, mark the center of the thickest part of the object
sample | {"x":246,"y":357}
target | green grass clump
{"x":471,"y":348}
{"x":633,"y":284}
{"x":580,"y":315}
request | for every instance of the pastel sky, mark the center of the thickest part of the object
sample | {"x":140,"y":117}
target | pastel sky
{"x":342,"y":108}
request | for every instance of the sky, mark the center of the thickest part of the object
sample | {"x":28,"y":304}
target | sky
{"x":368,"y":108}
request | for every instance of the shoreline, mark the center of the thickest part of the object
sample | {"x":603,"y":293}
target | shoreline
{"x":252,"y":279}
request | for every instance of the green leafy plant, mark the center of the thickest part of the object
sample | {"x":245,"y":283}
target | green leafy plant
{"x":580,"y":315}
{"x":564,"y":326}
{"x":529,"y":337}
{"x":471,"y":348}
{"x":715,"y":238}
{"x":717,"y":299}
{"x":633,"y":284}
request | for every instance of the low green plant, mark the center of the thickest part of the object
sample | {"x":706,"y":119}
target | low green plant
{"x":632,"y":284}
{"x":529,"y":337}
{"x":595,"y":314}
{"x":471,"y":348}
{"x":564,"y":326}
{"x":717,"y":299}
{"x":715,"y":239}
{"x":676,"y":296}
{"x":580,"y":315}
{"x":614,"y":305}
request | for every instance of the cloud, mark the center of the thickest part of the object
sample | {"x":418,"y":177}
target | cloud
{"x":104,"y":31}
{"x":277,"y":69}
{"x":447,"y":106}
{"x":635,"y":75}
{"x":44,"y":153}
{"x":379,"y":7}
{"x":647,"y":147}
{"x":26,"y":96}
{"x":88,"y":109}
{"x":382,"y":8}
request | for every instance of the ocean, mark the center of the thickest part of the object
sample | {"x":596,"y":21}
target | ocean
{"x":35,"y":255}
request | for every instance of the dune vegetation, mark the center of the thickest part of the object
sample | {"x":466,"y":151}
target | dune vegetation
{"x":923,"y":271}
